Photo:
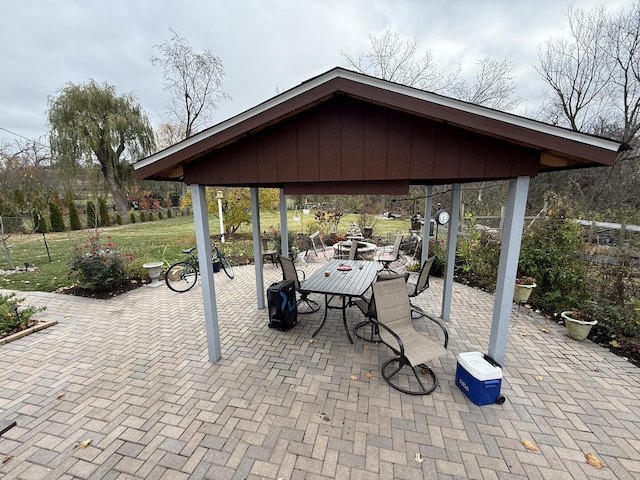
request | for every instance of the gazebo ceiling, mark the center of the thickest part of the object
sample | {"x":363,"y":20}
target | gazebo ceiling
{"x":344,"y":132}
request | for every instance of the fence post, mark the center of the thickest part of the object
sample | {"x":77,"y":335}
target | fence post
{"x":623,"y":231}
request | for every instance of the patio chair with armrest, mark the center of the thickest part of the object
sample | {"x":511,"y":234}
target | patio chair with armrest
{"x":422,"y":283}
{"x":269,"y":250}
{"x":414,"y":349}
{"x":289,"y":272}
{"x":387,"y":258}
{"x":316,"y":245}
{"x":367,"y":306}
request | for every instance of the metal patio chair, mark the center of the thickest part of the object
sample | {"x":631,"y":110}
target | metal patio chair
{"x":422,"y":283}
{"x":414,"y":349}
{"x":289,"y":272}
{"x":368,"y":330}
{"x":387,"y":258}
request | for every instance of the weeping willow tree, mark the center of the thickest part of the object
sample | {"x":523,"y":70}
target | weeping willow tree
{"x":90,"y":123}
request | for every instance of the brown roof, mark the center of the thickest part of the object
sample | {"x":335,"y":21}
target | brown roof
{"x":343,"y":130}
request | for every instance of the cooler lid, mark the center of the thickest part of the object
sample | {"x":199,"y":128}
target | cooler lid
{"x":478,"y":367}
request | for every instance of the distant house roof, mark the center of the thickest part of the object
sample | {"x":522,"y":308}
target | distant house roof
{"x":345,"y":132}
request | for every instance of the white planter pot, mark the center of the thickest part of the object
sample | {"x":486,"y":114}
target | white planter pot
{"x":153,"y":270}
{"x":577,"y":329}
{"x":521,"y":293}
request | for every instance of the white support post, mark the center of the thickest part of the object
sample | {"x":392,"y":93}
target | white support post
{"x":284,"y":226}
{"x":507,"y":269}
{"x":257,"y":246}
{"x":452,"y":240}
{"x":203,"y":243}
{"x":426,"y":231}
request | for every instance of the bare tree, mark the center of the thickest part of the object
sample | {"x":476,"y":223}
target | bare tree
{"x":193,"y":79}
{"x":395,"y":60}
{"x":577,"y":69}
{"x":492,"y":86}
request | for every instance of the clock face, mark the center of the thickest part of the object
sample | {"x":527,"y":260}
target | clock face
{"x":442,"y":217}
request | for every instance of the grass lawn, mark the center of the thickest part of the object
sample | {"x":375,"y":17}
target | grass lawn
{"x":149,"y":241}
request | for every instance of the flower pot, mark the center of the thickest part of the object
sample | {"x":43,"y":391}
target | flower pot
{"x":216,"y":267}
{"x":521,"y":293}
{"x":577,"y":329}
{"x":153,"y":270}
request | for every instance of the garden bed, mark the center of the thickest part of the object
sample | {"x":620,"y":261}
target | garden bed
{"x":34,"y":325}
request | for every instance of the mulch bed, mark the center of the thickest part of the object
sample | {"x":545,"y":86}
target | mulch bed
{"x":78,"y":291}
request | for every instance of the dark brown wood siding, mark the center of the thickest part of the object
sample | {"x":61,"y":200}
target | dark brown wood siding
{"x":348,"y":140}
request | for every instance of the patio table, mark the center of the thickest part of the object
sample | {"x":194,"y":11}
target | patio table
{"x":342,"y":283}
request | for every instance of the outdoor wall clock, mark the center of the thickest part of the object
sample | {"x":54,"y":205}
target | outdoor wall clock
{"x":442,"y":217}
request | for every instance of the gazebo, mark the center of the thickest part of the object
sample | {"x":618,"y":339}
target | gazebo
{"x":347,"y":133}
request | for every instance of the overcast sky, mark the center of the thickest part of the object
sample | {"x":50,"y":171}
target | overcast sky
{"x":265,"y":45}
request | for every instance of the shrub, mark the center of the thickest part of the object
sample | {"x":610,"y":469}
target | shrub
{"x":55,"y":217}
{"x":142,"y":217}
{"x":549,"y":253}
{"x":150,"y":216}
{"x":91,"y":215}
{"x":132,"y":217}
{"x":103,"y":213}
{"x":9,"y":320}
{"x":159,"y":215}
{"x":169,"y":214}
{"x":438,"y":249}
{"x":99,"y":267}
{"x":118,"y":219}
{"x":74,"y":218}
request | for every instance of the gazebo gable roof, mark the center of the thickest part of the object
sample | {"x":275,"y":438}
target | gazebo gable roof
{"x":557,"y":147}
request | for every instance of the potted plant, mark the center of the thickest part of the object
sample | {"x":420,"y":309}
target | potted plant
{"x":523,"y":288}
{"x":578,"y":324}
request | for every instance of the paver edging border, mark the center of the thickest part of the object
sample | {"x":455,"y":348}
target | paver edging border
{"x":40,"y":325}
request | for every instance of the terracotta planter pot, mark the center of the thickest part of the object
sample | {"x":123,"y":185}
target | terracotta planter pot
{"x":577,"y":329}
{"x":521,"y":293}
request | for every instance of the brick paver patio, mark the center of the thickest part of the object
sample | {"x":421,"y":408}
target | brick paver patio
{"x":131,"y":374}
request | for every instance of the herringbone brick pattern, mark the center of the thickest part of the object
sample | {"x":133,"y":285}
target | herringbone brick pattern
{"x":131,"y":374}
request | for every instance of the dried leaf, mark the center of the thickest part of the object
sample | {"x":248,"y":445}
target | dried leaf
{"x":539,"y":378}
{"x":528,"y":444}
{"x":615,"y":344}
{"x":593,"y":460}
{"x":418,"y":458}
{"x":84,"y":443}
{"x":353,"y":377}
{"x":369,"y":374}
{"x":523,"y":334}
{"x":311,"y":340}
{"x":544,"y":330}
{"x":6,"y":459}
{"x":61,"y":394}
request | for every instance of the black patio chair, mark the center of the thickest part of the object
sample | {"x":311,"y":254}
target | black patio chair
{"x":289,"y":272}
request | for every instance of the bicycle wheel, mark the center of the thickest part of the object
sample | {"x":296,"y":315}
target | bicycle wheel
{"x":226,"y":265}
{"x":181,"y":276}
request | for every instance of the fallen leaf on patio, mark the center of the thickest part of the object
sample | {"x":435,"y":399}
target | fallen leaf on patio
{"x":418,"y":458}
{"x":369,"y":374}
{"x":615,"y":344}
{"x":61,"y":394}
{"x":528,"y":444}
{"x":539,"y":378}
{"x":523,"y":334}
{"x":545,"y":330}
{"x":353,"y":377}
{"x":84,"y":443}
{"x":593,"y":460}
{"x":366,"y":347}
{"x":311,"y":340}
{"x":6,"y":459}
